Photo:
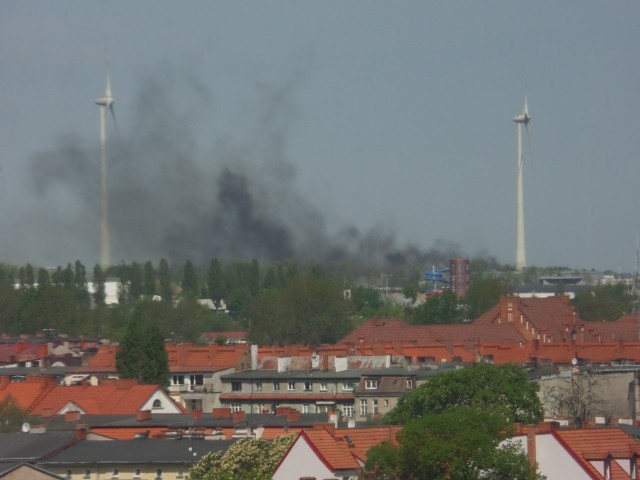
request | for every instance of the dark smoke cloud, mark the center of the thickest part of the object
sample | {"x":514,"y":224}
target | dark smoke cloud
{"x":170,"y":199}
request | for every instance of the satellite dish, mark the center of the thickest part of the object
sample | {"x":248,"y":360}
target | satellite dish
{"x":574,"y":361}
{"x":26,"y":427}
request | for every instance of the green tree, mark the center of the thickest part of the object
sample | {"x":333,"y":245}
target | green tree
{"x":215,"y":281}
{"x":12,"y":417}
{"x":482,"y":386}
{"x":439,"y":308}
{"x":189,"y":280}
{"x":365,"y":302}
{"x":460,"y":444}
{"x":149,"y":280}
{"x":605,"y":303}
{"x":142,"y":354}
{"x":43,"y":277}
{"x":310,"y":309}
{"x":99,"y":279}
{"x":484,"y":293}
{"x":165,"y":281}
{"x":247,"y":459}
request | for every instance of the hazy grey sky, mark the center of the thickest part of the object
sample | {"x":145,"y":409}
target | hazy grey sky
{"x":335,"y":119}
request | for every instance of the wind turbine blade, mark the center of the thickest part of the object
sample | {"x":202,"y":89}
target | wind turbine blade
{"x":526,"y":127}
{"x":113,"y":115}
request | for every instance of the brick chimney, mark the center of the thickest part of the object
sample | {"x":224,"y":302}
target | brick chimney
{"x":143,"y":415}
{"x":221,"y":413}
{"x":238,"y":416}
{"x":72,"y":416}
{"x":81,"y":432}
{"x":531,"y":446}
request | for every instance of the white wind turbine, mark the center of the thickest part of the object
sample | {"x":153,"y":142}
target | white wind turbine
{"x":104,"y":102}
{"x":521,"y":254}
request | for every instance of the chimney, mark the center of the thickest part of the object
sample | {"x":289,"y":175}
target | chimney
{"x":143,"y":415}
{"x":72,"y":416}
{"x":196,"y":414}
{"x":254,"y":357}
{"x":81,"y":432}
{"x":221,"y":413}
{"x":238,"y":416}
{"x":531,"y":445}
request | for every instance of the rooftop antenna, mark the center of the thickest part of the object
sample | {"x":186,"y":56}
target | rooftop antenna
{"x":105,"y":102}
{"x":521,"y":255}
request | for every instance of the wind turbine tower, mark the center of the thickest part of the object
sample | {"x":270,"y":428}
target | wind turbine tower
{"x":105,"y":102}
{"x":521,"y":254}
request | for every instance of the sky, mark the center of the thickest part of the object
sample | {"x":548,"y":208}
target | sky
{"x":374,"y":130}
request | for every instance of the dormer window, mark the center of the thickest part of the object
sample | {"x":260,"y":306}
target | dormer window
{"x":370,"y":384}
{"x":157,"y":403}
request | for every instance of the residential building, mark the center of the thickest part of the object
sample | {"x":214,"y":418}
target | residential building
{"x":325,"y":452}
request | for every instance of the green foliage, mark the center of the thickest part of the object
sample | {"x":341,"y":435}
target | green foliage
{"x":142,"y":354}
{"x":439,"y":308}
{"x":11,"y":415}
{"x":247,"y":459}
{"x":484,"y":293}
{"x":365,"y":302}
{"x":483,"y":386}
{"x":310,"y":309}
{"x":189,"y":280}
{"x":605,"y":303}
{"x":454,"y":425}
{"x":462,"y":443}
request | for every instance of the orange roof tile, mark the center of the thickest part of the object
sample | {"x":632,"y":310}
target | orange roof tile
{"x":98,"y":399}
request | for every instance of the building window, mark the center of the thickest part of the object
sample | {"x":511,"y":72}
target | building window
{"x":375,"y":406}
{"x":236,"y":407}
{"x":196,"y":380}
{"x":158,"y":474}
{"x":308,"y":385}
{"x":177,"y":380}
{"x":276,"y":386}
{"x":69,"y":473}
{"x":305,"y":408}
{"x":411,"y":384}
{"x":157,"y":403}
{"x":115,"y":473}
{"x":347,"y":411}
{"x":386,"y":403}
{"x":137,"y":473}
{"x":291,"y":385}
{"x":633,"y":468}
{"x":370,"y":384}
{"x":259,"y":386}
{"x":363,"y":408}
{"x":236,"y":386}
{"x":87,"y":473}
{"x":347,"y":385}
{"x":323,"y":386}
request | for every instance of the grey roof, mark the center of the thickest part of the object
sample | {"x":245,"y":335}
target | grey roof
{"x":181,"y":420}
{"x":25,"y":447}
{"x":7,"y":469}
{"x":139,"y":451}
{"x":330,"y":375}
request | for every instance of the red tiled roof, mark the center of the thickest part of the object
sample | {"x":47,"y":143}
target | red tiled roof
{"x":26,"y":394}
{"x":597,"y":444}
{"x":334,"y":452}
{"x":123,"y":398}
{"x":182,"y":357}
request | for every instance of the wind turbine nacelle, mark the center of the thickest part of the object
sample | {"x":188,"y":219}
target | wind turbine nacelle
{"x":104,"y":101}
